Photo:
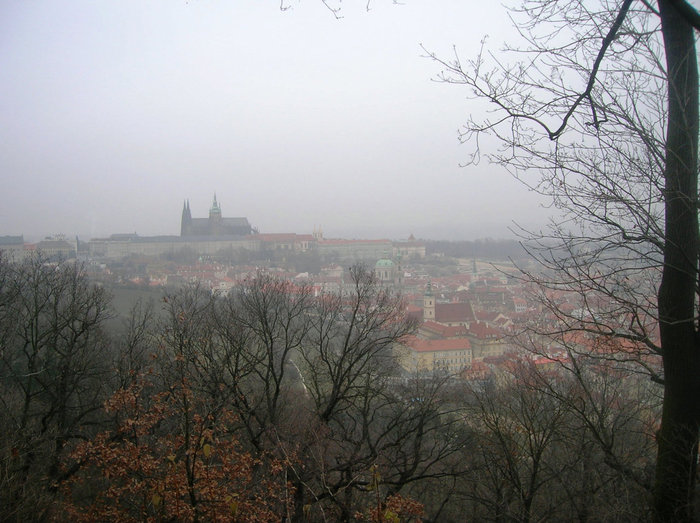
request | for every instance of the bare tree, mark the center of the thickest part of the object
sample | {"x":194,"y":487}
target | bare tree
{"x":603,"y":102}
{"x":259,"y":326}
{"x":310,"y":379}
{"x":554,"y":445}
{"x":517,"y":430}
{"x":134,"y":345}
{"x":376,"y":432}
{"x":53,"y":358}
{"x":352,"y":337}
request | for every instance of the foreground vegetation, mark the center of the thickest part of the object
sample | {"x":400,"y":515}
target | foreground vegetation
{"x":273,"y":403}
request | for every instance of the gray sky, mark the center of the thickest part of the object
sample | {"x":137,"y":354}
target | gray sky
{"x":113,"y":112}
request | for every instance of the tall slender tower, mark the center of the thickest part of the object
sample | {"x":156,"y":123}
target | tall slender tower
{"x":215,"y":218}
{"x":215,"y":210}
{"x":186,"y":222}
{"x":429,"y":303}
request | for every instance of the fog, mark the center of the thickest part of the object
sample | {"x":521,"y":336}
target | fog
{"x":113,"y":113}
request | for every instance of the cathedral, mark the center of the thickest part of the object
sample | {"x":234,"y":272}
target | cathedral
{"x":215,"y":225}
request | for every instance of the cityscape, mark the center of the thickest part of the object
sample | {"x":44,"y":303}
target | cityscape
{"x":464,"y":312}
{"x":324,"y":261}
{"x":433,"y":322}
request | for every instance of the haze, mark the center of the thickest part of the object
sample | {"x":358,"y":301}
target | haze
{"x":113,"y":113}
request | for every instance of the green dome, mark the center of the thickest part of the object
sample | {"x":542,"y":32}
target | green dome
{"x":381,"y":264}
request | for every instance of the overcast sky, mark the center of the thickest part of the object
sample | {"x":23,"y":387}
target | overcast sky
{"x":113,"y":112}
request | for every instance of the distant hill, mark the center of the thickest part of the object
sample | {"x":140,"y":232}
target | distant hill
{"x":482,"y":248}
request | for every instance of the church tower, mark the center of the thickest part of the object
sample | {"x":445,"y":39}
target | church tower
{"x":186,"y":221}
{"x":215,"y":220}
{"x":429,"y":303}
{"x":215,"y":210}
{"x":398,"y":279}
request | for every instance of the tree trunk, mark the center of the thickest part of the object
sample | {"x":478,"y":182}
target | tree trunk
{"x":678,"y":438}
{"x":299,"y":515}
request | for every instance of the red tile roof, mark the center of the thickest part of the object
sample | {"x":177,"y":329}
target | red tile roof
{"x":421,"y":345}
{"x":482,"y":331}
{"x":444,"y":330}
{"x":454,"y":312}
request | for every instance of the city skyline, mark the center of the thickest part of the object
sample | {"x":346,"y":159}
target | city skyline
{"x":113,"y":114}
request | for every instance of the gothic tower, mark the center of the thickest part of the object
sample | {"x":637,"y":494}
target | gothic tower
{"x":186,"y":221}
{"x":215,"y":218}
{"x":429,"y":303}
{"x":215,"y":211}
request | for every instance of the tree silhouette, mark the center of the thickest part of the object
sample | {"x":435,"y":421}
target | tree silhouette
{"x":602,"y":103}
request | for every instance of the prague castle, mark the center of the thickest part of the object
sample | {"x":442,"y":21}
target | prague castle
{"x":215,"y":225}
{"x":219,"y":236}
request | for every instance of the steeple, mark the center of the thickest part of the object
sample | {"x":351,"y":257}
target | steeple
{"x":186,"y":221}
{"x":215,"y":211}
{"x":428,"y":303}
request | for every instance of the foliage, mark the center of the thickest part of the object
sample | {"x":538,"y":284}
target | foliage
{"x":163,"y":463}
{"x":394,"y":509}
{"x":273,"y":402}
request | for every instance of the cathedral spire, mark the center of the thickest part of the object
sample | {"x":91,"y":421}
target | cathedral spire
{"x":215,"y":212}
{"x":215,"y":209}
{"x":186,"y":221}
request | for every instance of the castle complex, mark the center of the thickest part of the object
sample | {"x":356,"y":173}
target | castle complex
{"x":215,"y":225}
{"x":219,"y":236}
